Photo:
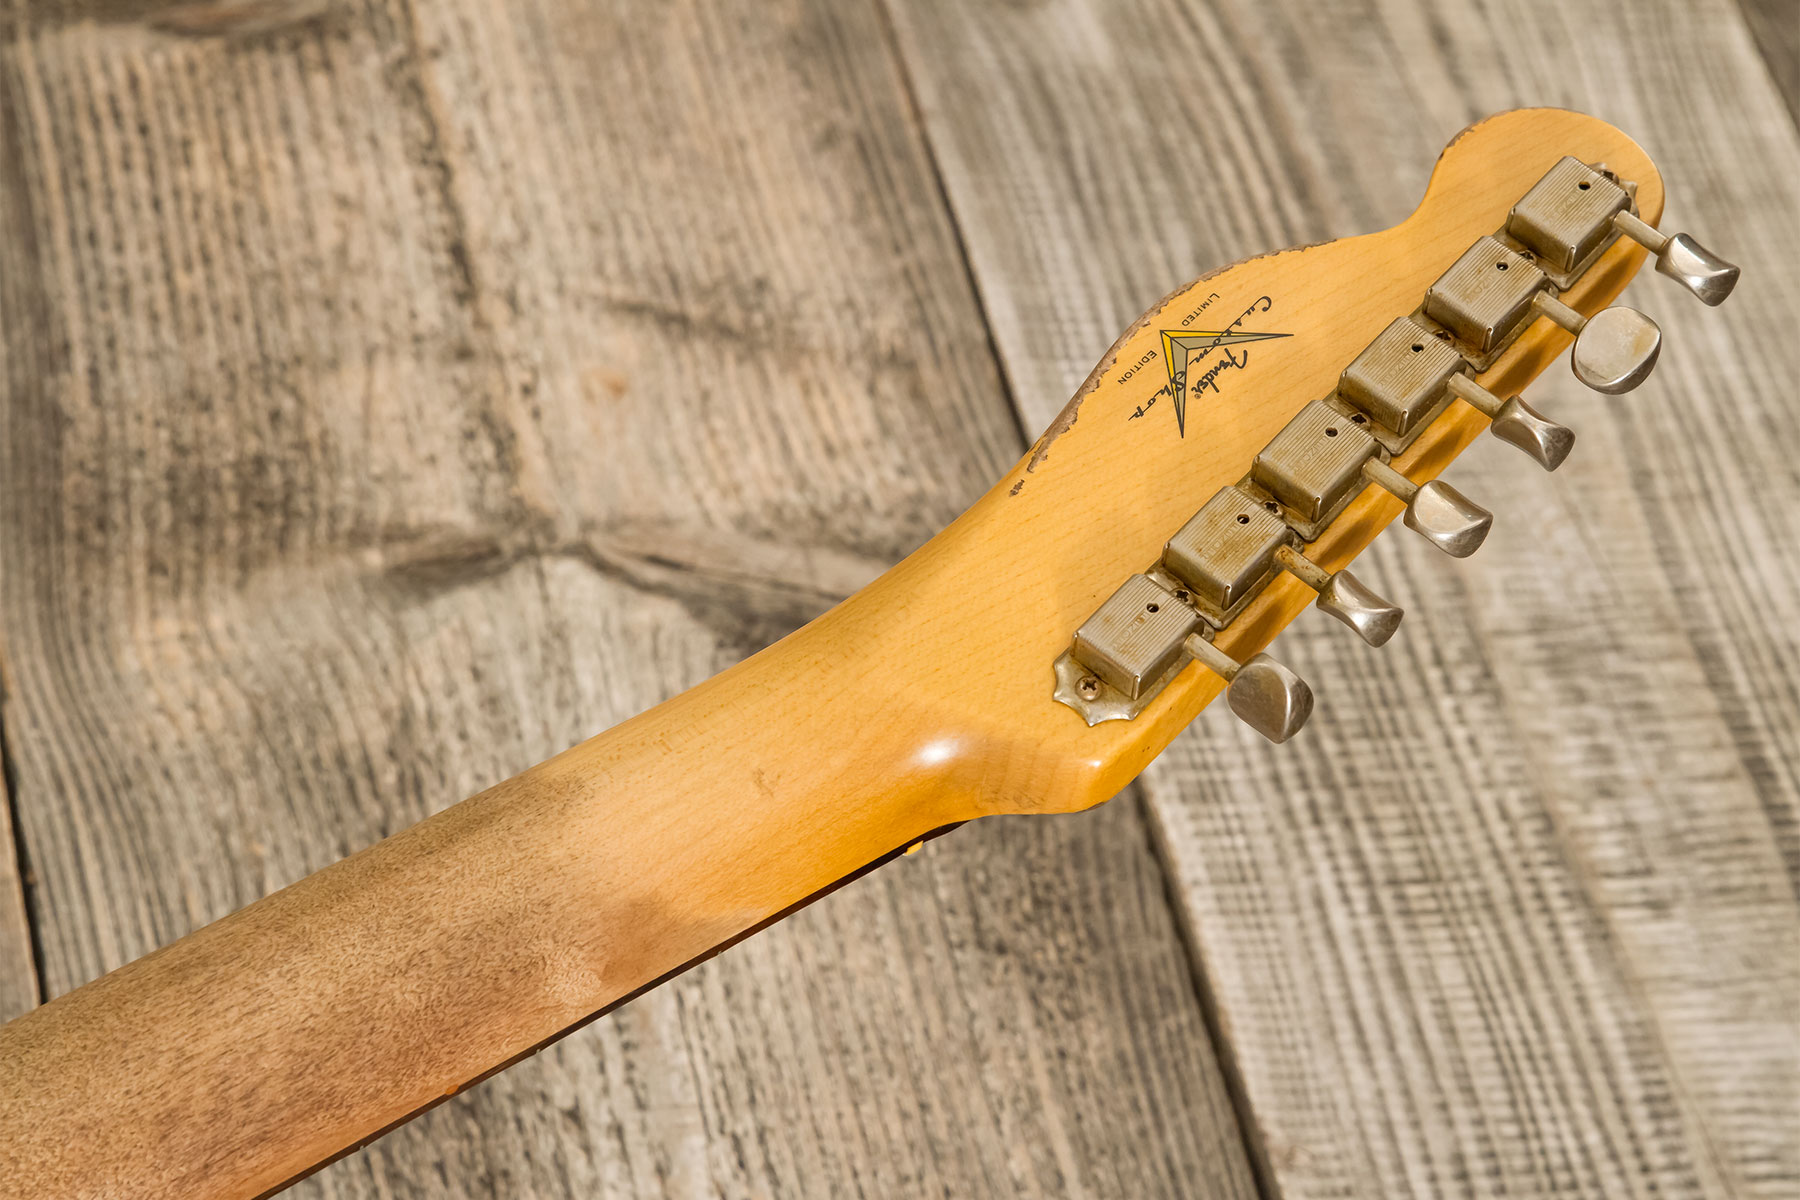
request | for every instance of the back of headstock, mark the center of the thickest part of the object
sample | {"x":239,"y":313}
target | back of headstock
{"x":1246,"y":438}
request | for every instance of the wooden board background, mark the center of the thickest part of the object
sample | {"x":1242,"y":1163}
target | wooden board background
{"x":396,"y":393}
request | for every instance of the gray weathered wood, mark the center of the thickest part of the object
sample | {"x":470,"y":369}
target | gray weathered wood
{"x":1517,"y":914}
{"x":397,"y":394}
{"x":18,"y":973}
{"x":1775,"y":24}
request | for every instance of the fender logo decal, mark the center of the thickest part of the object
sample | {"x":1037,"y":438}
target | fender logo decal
{"x":1186,"y":353}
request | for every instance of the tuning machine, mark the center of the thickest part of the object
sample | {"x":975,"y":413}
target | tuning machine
{"x":1135,"y":642}
{"x":1322,"y":459}
{"x":1403,"y":379}
{"x":1572,"y":214}
{"x":1567,"y":219}
{"x":1233,"y":546}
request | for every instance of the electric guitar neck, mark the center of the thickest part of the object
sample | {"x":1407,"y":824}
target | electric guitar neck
{"x":1226,"y":461}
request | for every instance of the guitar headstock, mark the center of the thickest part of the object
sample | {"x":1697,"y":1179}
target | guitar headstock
{"x":1249,"y":435}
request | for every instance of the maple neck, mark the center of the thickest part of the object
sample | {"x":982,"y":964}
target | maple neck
{"x":263,"y":1046}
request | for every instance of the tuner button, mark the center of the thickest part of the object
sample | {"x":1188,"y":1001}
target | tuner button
{"x":1518,"y":424}
{"x":1270,"y":698}
{"x":1614,"y":349}
{"x":1264,"y":694}
{"x":1681,"y":258}
{"x":1448,"y":519}
{"x":1345,"y":597}
{"x":1357,"y":605}
{"x":1697,"y":269}
{"x":1547,"y":442}
{"x":1436,"y":511}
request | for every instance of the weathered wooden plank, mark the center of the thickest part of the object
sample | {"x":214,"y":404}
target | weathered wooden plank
{"x":18,"y":973}
{"x":18,"y":969}
{"x":399,"y":394}
{"x":1518,"y":914}
{"x":1776,"y":28}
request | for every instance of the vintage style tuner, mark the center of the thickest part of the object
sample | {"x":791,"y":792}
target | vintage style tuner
{"x":1407,"y":375}
{"x":1574,"y":211}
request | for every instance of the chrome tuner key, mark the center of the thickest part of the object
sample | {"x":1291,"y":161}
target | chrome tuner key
{"x":1682,"y":259}
{"x":1265,"y":695}
{"x":1436,"y":511}
{"x":1518,"y":424}
{"x":1345,"y":597}
{"x":1614,"y":349}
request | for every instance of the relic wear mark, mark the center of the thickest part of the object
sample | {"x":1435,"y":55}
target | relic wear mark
{"x":1065,"y":420}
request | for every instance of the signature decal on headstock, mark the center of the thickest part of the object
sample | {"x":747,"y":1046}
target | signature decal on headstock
{"x":1193,"y":366}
